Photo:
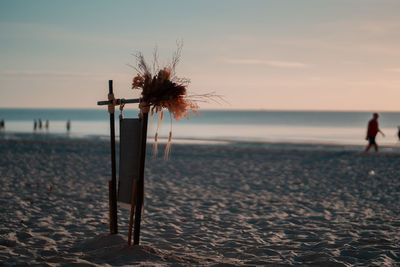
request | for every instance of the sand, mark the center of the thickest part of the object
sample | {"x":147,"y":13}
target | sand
{"x":232,"y":204}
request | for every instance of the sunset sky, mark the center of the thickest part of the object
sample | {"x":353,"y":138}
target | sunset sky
{"x":273,"y":55}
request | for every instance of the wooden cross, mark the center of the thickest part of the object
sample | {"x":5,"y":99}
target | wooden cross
{"x":138,"y":190}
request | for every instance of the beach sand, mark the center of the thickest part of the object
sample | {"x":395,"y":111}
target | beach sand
{"x":226,"y":204}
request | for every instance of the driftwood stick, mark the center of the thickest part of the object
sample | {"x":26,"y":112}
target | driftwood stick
{"x":119,"y":101}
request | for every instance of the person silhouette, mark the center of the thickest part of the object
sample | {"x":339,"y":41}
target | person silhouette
{"x":34,"y":124}
{"x":398,"y":133}
{"x":68,"y":126}
{"x":372,"y":131}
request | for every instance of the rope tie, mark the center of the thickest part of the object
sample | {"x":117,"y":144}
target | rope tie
{"x":111,"y":106}
{"x":121,"y":107}
{"x":144,"y":108}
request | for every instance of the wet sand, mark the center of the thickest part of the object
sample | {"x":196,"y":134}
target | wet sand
{"x":207,"y":205}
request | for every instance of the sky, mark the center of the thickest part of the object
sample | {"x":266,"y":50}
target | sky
{"x":269,"y":55}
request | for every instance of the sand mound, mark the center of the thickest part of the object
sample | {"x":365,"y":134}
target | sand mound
{"x":114,"y":250}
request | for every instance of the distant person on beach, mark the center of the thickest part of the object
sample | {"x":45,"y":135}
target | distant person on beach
{"x":47,"y":124}
{"x":68,"y":125}
{"x":398,"y":132}
{"x":2,"y":125}
{"x":372,"y":131}
{"x":34,"y":125}
{"x":40,"y":124}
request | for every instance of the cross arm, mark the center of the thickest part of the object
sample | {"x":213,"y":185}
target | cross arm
{"x":118,"y":101}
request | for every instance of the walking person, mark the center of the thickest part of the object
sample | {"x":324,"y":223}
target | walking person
{"x":398,"y":133}
{"x":34,"y":124}
{"x":47,"y":124}
{"x":372,"y":131}
{"x":68,"y":126}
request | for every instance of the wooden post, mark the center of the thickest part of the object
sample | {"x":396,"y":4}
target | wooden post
{"x":110,"y":213}
{"x":113,"y":185}
{"x":140,"y":182}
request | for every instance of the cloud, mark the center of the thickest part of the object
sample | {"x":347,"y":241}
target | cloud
{"x":271,"y":63}
{"x":44,"y":73}
{"x":46,"y":32}
{"x":30,"y":75}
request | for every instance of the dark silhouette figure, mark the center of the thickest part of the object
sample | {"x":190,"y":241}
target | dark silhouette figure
{"x":398,"y":133}
{"x":47,"y":124}
{"x":34,"y":125}
{"x":40,"y":124}
{"x":68,"y":125}
{"x":372,"y":131}
{"x":2,"y":125}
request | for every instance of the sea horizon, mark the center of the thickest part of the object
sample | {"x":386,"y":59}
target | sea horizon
{"x":132,"y":107}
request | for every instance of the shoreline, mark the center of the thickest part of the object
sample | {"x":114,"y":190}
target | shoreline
{"x":301,"y":145}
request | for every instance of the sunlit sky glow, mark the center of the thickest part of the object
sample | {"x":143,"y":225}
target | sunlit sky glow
{"x":274,"y":55}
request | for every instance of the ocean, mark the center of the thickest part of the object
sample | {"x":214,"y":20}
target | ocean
{"x":296,"y":127}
